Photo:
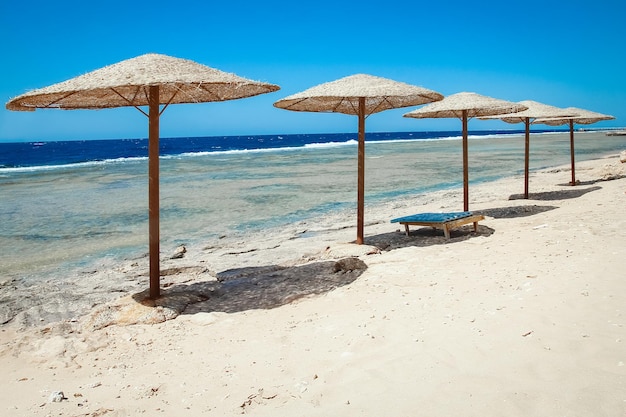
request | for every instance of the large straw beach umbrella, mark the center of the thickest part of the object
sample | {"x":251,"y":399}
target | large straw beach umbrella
{"x":465,"y":106}
{"x":148,"y":80}
{"x":534,"y":111}
{"x":360,"y":95}
{"x":581,"y":116}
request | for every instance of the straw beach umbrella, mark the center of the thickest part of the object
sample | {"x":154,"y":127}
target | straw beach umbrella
{"x":148,"y":80}
{"x":581,"y":116}
{"x":534,"y":111}
{"x":360,"y":95}
{"x":465,"y":106}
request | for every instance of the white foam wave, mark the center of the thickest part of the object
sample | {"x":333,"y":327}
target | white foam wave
{"x":39,"y":168}
{"x":350,"y":142}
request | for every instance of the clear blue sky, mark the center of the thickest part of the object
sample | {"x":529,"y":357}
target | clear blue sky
{"x":560,"y":53}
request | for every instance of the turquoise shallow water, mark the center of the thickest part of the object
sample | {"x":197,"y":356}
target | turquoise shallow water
{"x":53,"y":220}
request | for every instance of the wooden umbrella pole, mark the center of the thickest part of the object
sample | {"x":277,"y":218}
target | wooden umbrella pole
{"x":526,"y":158}
{"x":153,"y":190}
{"x":465,"y":163}
{"x":361,"y":174}
{"x":571,"y":147}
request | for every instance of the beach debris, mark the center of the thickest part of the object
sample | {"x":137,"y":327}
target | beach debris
{"x":527,"y":333}
{"x":349,"y":264}
{"x":99,"y":412}
{"x":179,"y":252}
{"x":257,"y":398}
{"x":622,"y":157}
{"x":302,"y":386}
{"x":57,"y":397}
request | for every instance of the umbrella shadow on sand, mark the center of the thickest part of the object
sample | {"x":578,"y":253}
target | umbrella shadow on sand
{"x":556,"y":195}
{"x":609,"y":177}
{"x":234,"y":290}
{"x":514,"y":211}
{"x":264,"y":287}
{"x":425,"y":236}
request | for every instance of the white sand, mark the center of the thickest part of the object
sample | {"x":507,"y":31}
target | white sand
{"x":526,"y":318}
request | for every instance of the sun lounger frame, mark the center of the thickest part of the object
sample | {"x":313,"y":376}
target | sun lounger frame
{"x":445,"y":225}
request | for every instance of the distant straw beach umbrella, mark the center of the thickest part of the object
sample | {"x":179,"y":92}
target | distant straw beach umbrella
{"x":534,"y":111}
{"x":148,"y":80}
{"x":465,"y":106}
{"x":581,"y":116}
{"x":360,"y":95}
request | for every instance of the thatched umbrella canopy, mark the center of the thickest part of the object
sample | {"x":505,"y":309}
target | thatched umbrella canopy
{"x":148,"y":80}
{"x":465,"y":106}
{"x":360,"y":95}
{"x":580,"y":116}
{"x":534,"y":111}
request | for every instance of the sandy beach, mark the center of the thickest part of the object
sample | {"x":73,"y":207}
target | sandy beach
{"x":526,"y":317}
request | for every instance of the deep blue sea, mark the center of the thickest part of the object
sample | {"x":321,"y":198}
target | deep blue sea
{"x":67,"y":204}
{"x":41,"y":154}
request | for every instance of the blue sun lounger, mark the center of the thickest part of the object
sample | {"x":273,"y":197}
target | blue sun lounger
{"x":445,"y":221}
